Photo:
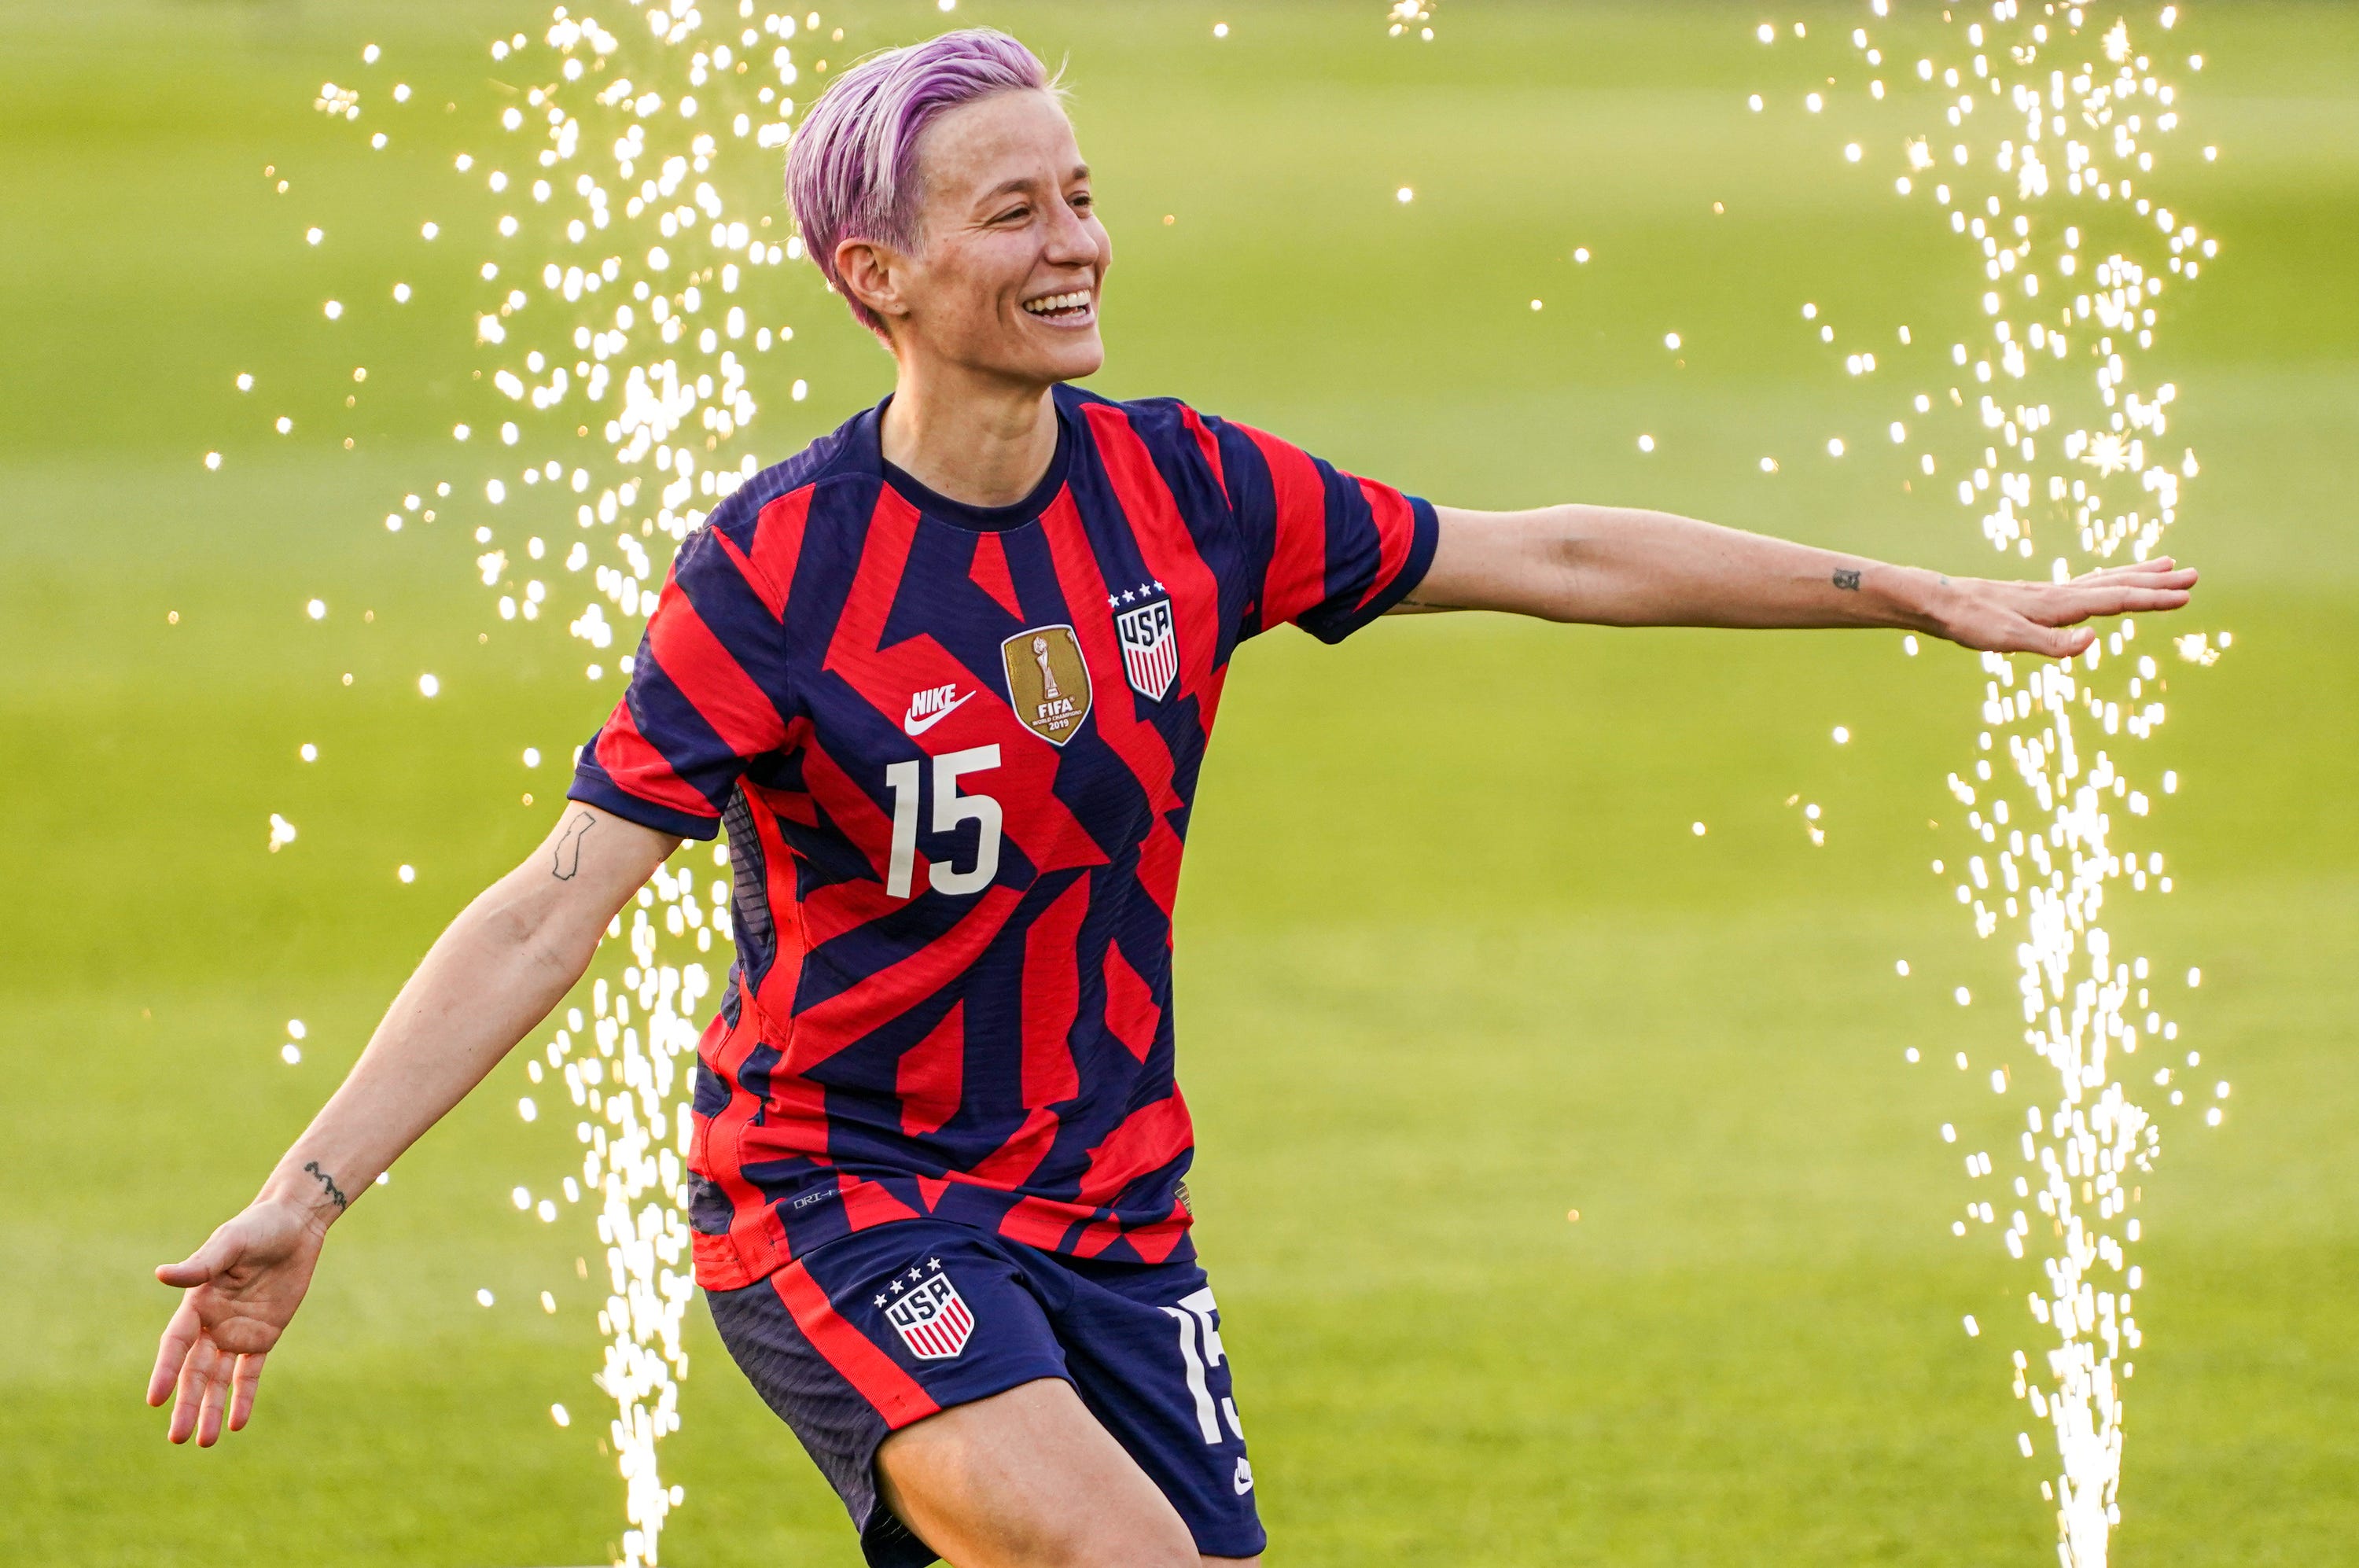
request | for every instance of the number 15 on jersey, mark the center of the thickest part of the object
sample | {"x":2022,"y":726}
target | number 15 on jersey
{"x":951,"y":809}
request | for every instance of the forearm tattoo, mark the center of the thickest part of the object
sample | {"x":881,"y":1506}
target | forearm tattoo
{"x":1847,"y":581}
{"x":565,"y":862}
{"x":335,"y":1194}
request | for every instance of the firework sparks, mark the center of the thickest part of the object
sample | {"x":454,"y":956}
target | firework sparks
{"x":628,"y":169}
{"x":1416,"y":17}
{"x":2036,"y":116}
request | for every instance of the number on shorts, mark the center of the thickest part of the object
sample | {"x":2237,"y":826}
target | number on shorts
{"x":1194,"y":1315}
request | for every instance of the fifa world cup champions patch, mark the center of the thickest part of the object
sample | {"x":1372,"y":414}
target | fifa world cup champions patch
{"x":1047,"y":681}
{"x":926,"y":1310}
{"x":1150,"y":648}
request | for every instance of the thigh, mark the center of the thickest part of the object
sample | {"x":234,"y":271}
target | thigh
{"x":1144,"y":1348}
{"x":1030,"y":1479}
{"x":878,"y":1332}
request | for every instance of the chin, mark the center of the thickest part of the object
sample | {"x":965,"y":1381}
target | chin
{"x":1065,"y":362}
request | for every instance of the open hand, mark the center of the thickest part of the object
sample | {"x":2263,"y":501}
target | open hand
{"x":2045,"y":618}
{"x":242,"y":1285}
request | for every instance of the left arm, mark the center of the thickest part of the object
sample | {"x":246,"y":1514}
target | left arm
{"x":1613,"y":566}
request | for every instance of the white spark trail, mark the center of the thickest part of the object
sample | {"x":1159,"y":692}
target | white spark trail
{"x":614,"y":404}
{"x":2040,"y":145}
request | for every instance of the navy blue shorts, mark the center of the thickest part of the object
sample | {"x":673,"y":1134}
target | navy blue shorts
{"x":881,"y":1329}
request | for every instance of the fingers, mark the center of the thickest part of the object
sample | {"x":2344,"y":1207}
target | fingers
{"x":2152,"y":573}
{"x":171,"y":1351}
{"x":248,"y":1379}
{"x":2067,"y":642}
{"x":2066,"y":604}
{"x":2023,"y":636}
{"x":196,"y":1376}
{"x":2120,"y":600}
{"x":216,"y":1394}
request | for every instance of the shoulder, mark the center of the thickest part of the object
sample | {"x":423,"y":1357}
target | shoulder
{"x":757,"y":526}
{"x":1151,"y":418}
{"x":1169,"y":428}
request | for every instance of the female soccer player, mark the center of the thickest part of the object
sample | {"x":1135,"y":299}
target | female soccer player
{"x":946,"y":678}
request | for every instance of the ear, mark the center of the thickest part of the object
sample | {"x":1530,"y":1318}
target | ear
{"x":872,"y":274}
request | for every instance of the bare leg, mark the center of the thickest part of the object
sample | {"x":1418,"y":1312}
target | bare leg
{"x":1030,"y":1479}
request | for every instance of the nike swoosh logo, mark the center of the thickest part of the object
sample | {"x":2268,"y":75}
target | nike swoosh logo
{"x":915,"y":726}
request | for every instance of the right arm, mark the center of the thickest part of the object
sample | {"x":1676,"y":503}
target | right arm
{"x":493,"y":976}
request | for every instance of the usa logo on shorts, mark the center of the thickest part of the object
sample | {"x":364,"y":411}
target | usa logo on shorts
{"x":930,"y":1314}
{"x":1150,"y":653}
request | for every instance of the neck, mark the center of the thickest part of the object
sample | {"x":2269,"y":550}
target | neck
{"x":983,"y":440}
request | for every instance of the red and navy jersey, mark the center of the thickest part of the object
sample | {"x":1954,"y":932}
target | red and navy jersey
{"x":954,"y":750}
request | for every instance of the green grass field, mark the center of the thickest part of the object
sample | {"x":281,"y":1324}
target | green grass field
{"x":1452,"y":960}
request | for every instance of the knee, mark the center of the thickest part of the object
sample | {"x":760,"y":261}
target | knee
{"x":1133,"y":1543}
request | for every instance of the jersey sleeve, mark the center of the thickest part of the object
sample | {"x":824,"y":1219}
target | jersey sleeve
{"x":704,"y":701}
{"x":1332,"y":551}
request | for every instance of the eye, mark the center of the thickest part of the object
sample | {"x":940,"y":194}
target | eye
{"x":1013,"y":213}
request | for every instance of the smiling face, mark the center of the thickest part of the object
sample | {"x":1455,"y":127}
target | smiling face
{"x":1011,"y":258}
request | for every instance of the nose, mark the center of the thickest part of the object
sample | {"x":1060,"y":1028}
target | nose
{"x":1070,"y":242}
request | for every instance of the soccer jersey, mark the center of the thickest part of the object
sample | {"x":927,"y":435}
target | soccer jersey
{"x":954,"y":750}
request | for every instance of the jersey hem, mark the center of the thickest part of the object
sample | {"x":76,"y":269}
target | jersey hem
{"x":1425,"y":534}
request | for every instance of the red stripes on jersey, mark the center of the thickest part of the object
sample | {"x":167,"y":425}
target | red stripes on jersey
{"x":989,"y":573}
{"x":778,"y":549}
{"x":829,"y":1024}
{"x":1149,"y":1139}
{"x":715,"y":684}
{"x":639,"y":767}
{"x":1052,"y":998}
{"x":1298,"y":564}
{"x":1395,"y":534}
{"x":1130,"y":1009}
{"x":930,"y":1072}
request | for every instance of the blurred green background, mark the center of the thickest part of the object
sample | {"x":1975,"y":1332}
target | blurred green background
{"x":1454,"y":960}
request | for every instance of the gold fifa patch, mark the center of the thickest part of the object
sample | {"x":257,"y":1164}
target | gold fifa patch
{"x":1047,"y":681}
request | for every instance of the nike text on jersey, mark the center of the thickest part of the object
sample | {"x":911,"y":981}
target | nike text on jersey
{"x":930,"y":707}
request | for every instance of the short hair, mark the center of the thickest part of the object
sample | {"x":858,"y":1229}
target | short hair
{"x":851,"y":167}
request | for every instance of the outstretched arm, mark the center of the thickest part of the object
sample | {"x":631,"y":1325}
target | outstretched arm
{"x":490,"y":977}
{"x":1617,"y":567}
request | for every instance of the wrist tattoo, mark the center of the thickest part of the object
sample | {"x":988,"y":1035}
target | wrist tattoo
{"x":565,"y":861}
{"x":335,"y":1194}
{"x":1847,"y":581}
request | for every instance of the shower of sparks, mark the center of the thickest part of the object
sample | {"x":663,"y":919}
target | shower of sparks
{"x":610,"y":413}
{"x":1413,"y":17}
{"x":2042,"y":140}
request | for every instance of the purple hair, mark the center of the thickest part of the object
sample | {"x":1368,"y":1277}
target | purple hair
{"x":852,"y":170}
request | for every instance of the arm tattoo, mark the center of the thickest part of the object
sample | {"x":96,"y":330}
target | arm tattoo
{"x":335,"y":1194}
{"x":1847,"y":581}
{"x":565,"y":861}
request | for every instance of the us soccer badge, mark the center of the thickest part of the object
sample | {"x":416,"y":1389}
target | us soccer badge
{"x":1047,"y":681}
{"x":1150,"y":650}
{"x":929,"y":1315}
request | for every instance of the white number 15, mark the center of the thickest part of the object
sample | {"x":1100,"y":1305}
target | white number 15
{"x":951,"y":808}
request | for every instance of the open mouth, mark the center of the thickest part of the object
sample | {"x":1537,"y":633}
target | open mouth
{"x":1068,"y":309}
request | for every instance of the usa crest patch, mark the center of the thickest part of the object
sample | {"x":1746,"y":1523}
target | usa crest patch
{"x":929,"y":1315}
{"x":1150,"y":648}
